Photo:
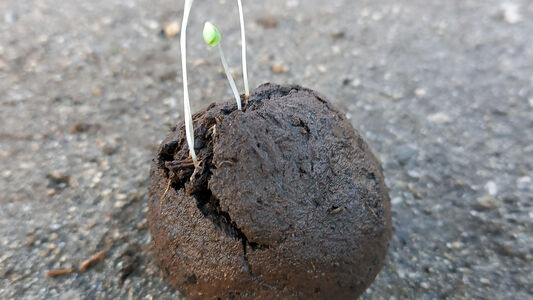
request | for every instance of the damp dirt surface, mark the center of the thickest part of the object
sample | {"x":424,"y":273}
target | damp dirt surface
{"x":287,"y":202}
{"x":441,"y":91}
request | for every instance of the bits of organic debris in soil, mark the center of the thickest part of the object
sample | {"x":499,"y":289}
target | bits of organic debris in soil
{"x":337,"y":210}
{"x":337,"y":34}
{"x":166,"y":192}
{"x":171,"y":29}
{"x":56,"y":273}
{"x":167,"y":76}
{"x":279,"y":68}
{"x":91,"y":261}
{"x":80,"y":127}
{"x":58,"y":180}
{"x":267,"y":22}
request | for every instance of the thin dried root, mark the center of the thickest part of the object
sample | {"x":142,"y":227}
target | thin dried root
{"x":91,"y":261}
{"x":213,"y":130}
{"x":229,"y":162}
{"x":165,"y":193}
{"x":56,"y":273}
{"x":185,"y":164}
{"x":371,"y":210}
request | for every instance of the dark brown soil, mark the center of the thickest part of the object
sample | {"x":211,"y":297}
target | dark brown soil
{"x":287,"y":202}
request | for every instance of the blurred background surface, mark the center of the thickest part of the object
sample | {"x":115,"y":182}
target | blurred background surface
{"x":441,"y":90}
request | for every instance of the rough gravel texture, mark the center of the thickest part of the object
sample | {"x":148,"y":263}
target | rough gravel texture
{"x":441,"y":90}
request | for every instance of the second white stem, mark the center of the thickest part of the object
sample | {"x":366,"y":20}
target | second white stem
{"x":230,"y":78}
{"x":189,"y":128}
{"x":243,"y":39}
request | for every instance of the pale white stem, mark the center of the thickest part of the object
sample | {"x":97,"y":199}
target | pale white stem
{"x":189,"y":129}
{"x":243,"y":39}
{"x":230,"y":78}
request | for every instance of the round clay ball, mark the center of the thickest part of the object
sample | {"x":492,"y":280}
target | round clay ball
{"x":286,"y":202}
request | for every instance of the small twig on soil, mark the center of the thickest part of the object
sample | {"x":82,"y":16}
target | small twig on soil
{"x":187,"y":163}
{"x":337,"y":210}
{"x":213,"y":130}
{"x":229,"y":162}
{"x":181,"y":164}
{"x":246,"y":102}
{"x":55,"y":273}
{"x":376,"y":216}
{"x":165,"y":193}
{"x":91,"y":261}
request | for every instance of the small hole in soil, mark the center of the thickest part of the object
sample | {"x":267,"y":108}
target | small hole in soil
{"x":302,"y":171}
{"x":231,"y":295}
{"x":191,"y":279}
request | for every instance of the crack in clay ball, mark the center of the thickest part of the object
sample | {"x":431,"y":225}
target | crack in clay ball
{"x":287,"y":202}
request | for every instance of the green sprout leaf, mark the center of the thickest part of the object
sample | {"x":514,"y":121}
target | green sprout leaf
{"x":211,"y":34}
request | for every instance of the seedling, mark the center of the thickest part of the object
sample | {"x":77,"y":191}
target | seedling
{"x":212,"y":38}
{"x":189,"y":129}
{"x":243,"y":40}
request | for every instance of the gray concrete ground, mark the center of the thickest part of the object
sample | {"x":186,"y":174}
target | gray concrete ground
{"x":441,"y":90}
